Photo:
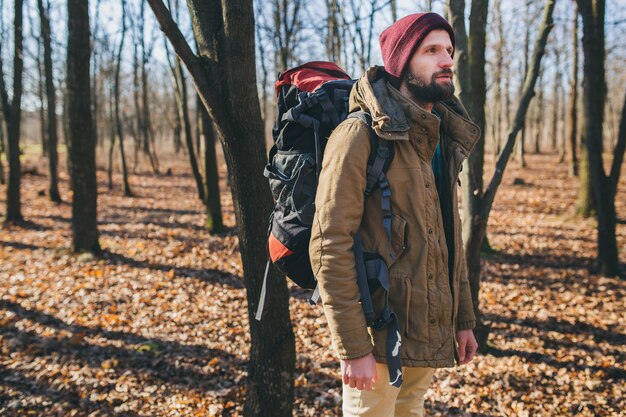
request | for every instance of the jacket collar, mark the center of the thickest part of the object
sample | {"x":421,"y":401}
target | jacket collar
{"x":372,"y":93}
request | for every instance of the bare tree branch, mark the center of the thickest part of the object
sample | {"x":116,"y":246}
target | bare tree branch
{"x":527,"y":94}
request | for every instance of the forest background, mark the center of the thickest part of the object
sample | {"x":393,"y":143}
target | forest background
{"x":129,"y":274}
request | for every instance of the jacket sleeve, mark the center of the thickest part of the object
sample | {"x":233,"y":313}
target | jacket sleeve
{"x":465,"y":317}
{"x":339,"y":206}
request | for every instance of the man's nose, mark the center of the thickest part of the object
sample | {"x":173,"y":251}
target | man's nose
{"x":446,"y":61}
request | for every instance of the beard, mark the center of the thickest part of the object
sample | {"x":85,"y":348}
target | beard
{"x":429,"y":92}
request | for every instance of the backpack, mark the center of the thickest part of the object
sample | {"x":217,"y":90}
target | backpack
{"x":312,"y":101}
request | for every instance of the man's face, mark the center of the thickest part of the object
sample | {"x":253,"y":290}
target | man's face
{"x":429,"y":73}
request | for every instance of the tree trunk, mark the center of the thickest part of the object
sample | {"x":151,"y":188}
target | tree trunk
{"x":2,"y":146}
{"x":147,"y":130}
{"x":539,"y":113}
{"x":585,"y":204}
{"x":461,"y":54}
{"x":224,"y":76}
{"x":555,"y":97}
{"x":53,"y":189}
{"x":572,"y":113}
{"x":183,"y":111}
{"x":13,"y":113}
{"x":140,"y":133}
{"x":214,"y":222}
{"x":40,"y":95}
{"x":594,"y":94}
{"x":96,"y":86}
{"x":471,"y":78}
{"x":522,"y":143}
{"x":498,"y":79}
{"x":111,"y":134}
{"x":82,"y":148}
{"x":333,"y":35}
{"x":479,"y":203}
{"x":118,"y":120}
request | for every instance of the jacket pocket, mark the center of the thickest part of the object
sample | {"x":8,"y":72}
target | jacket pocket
{"x":398,"y":238}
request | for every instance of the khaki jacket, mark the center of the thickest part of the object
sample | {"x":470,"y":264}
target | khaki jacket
{"x":420,"y":294}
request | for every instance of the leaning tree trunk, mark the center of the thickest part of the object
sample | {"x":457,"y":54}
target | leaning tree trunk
{"x":480,"y":203}
{"x":183,"y":111}
{"x":225,"y":78}
{"x":12,"y":113}
{"x":51,"y":98}
{"x":82,"y":147}
{"x":594,"y":94}
{"x":214,"y":222}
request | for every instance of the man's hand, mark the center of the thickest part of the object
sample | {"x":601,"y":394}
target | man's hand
{"x":359,"y":373}
{"x":467,"y":345}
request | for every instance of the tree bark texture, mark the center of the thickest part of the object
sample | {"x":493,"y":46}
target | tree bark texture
{"x":149,"y":146}
{"x":214,"y":222}
{"x":224,"y":77}
{"x":572,"y":113}
{"x":82,"y":147}
{"x":12,"y":112}
{"x":118,"y":120}
{"x":594,"y":94}
{"x":471,"y":79}
{"x":53,"y":188}
{"x":40,"y":94}
{"x":556,"y":103}
{"x":183,"y":111}
{"x":2,"y":146}
{"x":479,"y":203}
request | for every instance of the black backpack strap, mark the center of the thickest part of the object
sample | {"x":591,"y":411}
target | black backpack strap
{"x":381,"y":155}
{"x":373,"y":273}
{"x":329,"y":109}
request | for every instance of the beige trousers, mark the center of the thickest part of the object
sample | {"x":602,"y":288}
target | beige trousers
{"x":385,"y":400}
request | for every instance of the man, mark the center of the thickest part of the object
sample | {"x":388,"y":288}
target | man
{"x":412,"y":105}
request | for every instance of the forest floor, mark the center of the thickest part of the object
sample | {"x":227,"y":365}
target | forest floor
{"x":158,"y":325}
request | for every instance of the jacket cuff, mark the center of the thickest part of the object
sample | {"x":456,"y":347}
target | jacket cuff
{"x":466,"y":325}
{"x":353,"y":344}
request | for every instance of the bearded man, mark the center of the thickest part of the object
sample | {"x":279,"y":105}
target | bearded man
{"x":412,"y":105}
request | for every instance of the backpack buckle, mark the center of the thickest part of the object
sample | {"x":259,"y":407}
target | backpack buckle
{"x":384,"y":320}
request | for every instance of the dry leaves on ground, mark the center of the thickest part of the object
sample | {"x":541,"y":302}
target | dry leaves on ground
{"x":158,"y":325}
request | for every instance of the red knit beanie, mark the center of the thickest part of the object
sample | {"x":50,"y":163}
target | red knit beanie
{"x":399,"y":41}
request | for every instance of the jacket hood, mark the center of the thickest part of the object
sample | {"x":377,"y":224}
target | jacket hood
{"x":371,"y":94}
